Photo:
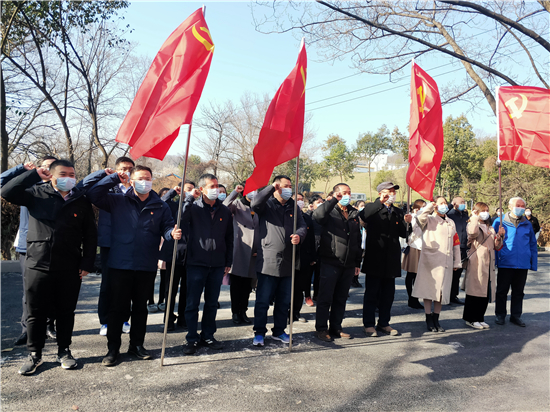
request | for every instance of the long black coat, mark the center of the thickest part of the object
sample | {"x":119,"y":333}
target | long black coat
{"x":383,"y":251}
{"x":62,"y":233}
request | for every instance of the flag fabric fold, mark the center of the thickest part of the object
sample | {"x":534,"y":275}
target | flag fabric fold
{"x":426,"y":133}
{"x":171,"y":90}
{"x":524,"y":125}
{"x":282,"y":132}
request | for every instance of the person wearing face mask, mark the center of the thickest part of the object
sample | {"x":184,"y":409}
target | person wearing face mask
{"x":222,"y":193}
{"x":410,"y":260}
{"x":341,"y":254}
{"x":480,"y":281}
{"x":209,"y":259}
{"x":534,"y":221}
{"x":61,"y":249}
{"x":360,"y":205}
{"x":459,"y":215}
{"x":138,"y":220}
{"x":517,"y":256}
{"x":314,"y":202}
{"x":275,"y":208}
{"x":382,"y":260}
{"x":180,"y":270}
{"x":246,"y":229}
{"x":440,"y":254}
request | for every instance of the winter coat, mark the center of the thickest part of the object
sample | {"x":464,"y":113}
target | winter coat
{"x":167,"y":248}
{"x":520,"y":245}
{"x":535,"y":222}
{"x":308,"y":248}
{"x":341,"y":237}
{"x":383,"y":250}
{"x":135,"y":232}
{"x":62,"y":235}
{"x":210,"y":241}
{"x":246,"y":235}
{"x":276,"y":226}
{"x":481,"y":265}
{"x":461,"y":221}
{"x":440,"y":255}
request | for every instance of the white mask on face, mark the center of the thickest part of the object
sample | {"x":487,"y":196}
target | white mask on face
{"x":300,"y":204}
{"x":212,"y":194}
{"x":484,"y":215}
{"x":391,"y":199}
{"x":143,"y":186}
{"x":527,"y":213}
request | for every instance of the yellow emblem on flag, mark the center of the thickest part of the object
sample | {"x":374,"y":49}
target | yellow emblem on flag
{"x":209,"y":46}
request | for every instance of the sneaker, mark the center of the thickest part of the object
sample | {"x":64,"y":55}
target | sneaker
{"x":162,"y":307}
{"x":283,"y":338}
{"x":189,"y":348}
{"x":30,"y":365}
{"x":475,"y":325}
{"x":152,"y":308}
{"x":212,"y":343}
{"x":65,"y":358}
{"x":258,"y":340}
{"x":126,"y":327}
{"x":309,"y":302}
{"x":485,"y":325}
{"x":302,"y":319}
{"x":103,"y":330}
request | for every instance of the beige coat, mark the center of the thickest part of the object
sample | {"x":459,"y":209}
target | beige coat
{"x":438,"y":258}
{"x":481,"y":265}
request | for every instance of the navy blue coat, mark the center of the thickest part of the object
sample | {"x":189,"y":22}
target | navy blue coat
{"x":167,"y":248}
{"x":461,"y":221}
{"x":210,"y":238}
{"x":135,"y":233}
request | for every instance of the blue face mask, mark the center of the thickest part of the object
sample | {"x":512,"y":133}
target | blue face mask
{"x":462,"y":208}
{"x":143,"y":186}
{"x":519,"y":211}
{"x":286,"y":193}
{"x":442,"y":209}
{"x":65,"y":184}
{"x":345,"y":200}
{"x":420,"y":210}
{"x":222,"y":196}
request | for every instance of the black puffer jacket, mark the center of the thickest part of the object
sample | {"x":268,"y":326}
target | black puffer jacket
{"x":341,"y":237}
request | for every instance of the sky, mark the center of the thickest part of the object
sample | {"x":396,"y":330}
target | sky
{"x":246,"y":60}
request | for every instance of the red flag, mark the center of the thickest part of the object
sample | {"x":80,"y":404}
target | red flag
{"x":426,"y":133}
{"x":524,"y":125}
{"x":283,"y":129}
{"x":171,"y":90}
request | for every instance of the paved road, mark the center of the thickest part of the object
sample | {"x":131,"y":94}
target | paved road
{"x":504,"y":368}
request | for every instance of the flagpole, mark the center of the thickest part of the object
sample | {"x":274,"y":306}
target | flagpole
{"x":499,"y":163}
{"x":292,"y":291}
{"x":168,"y":311}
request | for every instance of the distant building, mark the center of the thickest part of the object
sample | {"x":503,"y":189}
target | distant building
{"x":381,"y":162}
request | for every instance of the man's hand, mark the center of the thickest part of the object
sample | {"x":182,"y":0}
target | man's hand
{"x":328,"y":198}
{"x":239,"y":189}
{"x":226,"y":271}
{"x":338,"y":195}
{"x":196,"y":193}
{"x":123,"y":177}
{"x":276,"y":185}
{"x":177,"y":189}
{"x":176,"y":233}
{"x":384,"y":197}
{"x":295,"y":239}
{"x":109,"y":171}
{"x":29,"y":166}
{"x":44,"y":173}
{"x":408,"y":218}
{"x":357,"y":271}
{"x":501,"y":231}
{"x":82,"y":273}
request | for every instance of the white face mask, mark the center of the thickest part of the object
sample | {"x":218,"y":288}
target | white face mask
{"x":212,"y":194}
{"x":143,"y":186}
{"x":527,"y":213}
{"x":391,"y":199}
{"x":300,"y":204}
{"x":484,"y":215}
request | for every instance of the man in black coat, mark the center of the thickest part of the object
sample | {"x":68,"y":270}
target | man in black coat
{"x":340,"y":253}
{"x":382,"y":262}
{"x":61,"y":248}
{"x":459,"y":215}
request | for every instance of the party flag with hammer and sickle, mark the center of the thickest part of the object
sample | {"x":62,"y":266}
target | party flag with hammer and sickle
{"x":171,"y":90}
{"x":524,"y":125}
{"x":426,"y":133}
{"x":283,"y":130}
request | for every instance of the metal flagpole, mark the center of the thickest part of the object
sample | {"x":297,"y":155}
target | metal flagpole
{"x":499,"y":163}
{"x":294,"y":253}
{"x":168,"y":311}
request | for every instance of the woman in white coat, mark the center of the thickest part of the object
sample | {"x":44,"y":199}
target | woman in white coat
{"x":480,"y":281}
{"x":440,"y":255}
{"x":410,"y":260}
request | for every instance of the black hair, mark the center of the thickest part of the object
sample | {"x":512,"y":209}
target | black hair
{"x":205,"y":177}
{"x":163,"y":191}
{"x":335,"y":188}
{"x":140,"y":168}
{"x":47,"y":157}
{"x":60,"y":162}
{"x":418,"y":203}
{"x":223,"y":187}
{"x":124,"y":159}
{"x":314,"y":198}
{"x":278,"y":178}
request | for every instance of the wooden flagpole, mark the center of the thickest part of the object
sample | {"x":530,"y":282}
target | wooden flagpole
{"x":292,"y":291}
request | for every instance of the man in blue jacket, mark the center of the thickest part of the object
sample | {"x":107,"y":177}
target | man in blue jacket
{"x":138,"y":220}
{"x":209,"y":258}
{"x":517,"y":256}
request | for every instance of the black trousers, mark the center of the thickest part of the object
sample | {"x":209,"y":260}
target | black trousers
{"x":457,"y":274}
{"x":103,"y":302}
{"x":49,"y":291}
{"x":302,"y":287}
{"x":180,"y":280}
{"x":409,"y":283}
{"x":316,"y":279}
{"x":515,"y":278}
{"x":239,"y":290}
{"x":334,"y":284}
{"x":475,"y":308}
{"x":379,"y":291}
{"x":129,"y":290}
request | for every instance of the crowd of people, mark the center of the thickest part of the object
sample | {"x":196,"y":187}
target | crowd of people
{"x":248,"y":242}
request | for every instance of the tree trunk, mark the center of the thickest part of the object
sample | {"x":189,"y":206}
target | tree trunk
{"x":5,"y":137}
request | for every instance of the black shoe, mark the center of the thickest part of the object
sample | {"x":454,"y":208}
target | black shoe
{"x":171,"y":326}
{"x":31,"y":364}
{"x":50,"y":332}
{"x":111,"y":358}
{"x":435,"y":317}
{"x":430,"y":322}
{"x":355,"y":282}
{"x":415,"y":304}
{"x":517,"y":321}
{"x":189,"y":348}
{"x":245,"y":318}
{"x":21,"y":340}
{"x":457,"y":301}
{"x":237,"y":319}
{"x":139,"y":352}
{"x":212,"y":343}
{"x":500,"y":320}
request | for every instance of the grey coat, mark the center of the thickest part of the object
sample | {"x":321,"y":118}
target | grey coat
{"x":246,"y":235}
